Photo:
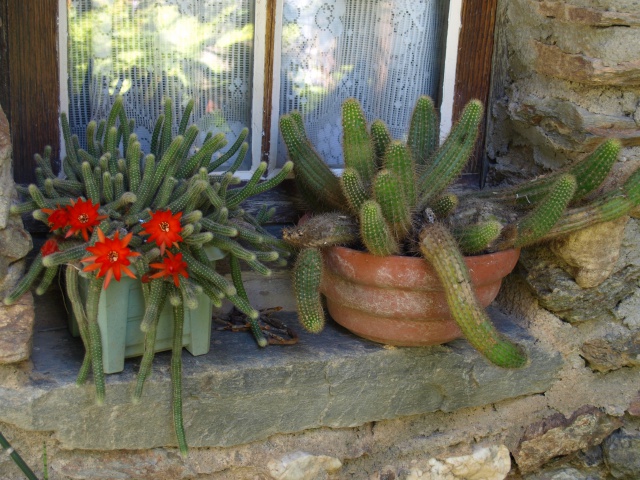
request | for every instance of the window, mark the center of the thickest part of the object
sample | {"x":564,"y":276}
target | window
{"x":265,"y":74}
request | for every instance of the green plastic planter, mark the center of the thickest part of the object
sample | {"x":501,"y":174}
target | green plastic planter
{"x":120,"y":312}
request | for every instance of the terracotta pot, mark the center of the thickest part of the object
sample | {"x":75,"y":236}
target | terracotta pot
{"x":399,"y":300}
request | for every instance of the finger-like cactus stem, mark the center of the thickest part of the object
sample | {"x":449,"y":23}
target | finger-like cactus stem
{"x":399,"y":161}
{"x":357,"y":145}
{"x":376,"y":234}
{"x":388,"y":192}
{"x":176,"y":378}
{"x":353,"y":188}
{"x":309,"y":168}
{"x":444,"y":205}
{"x":452,"y":156}
{"x":423,"y":130}
{"x":307,"y":277}
{"x":381,"y":139}
{"x":440,"y":249}
{"x":540,"y":220}
{"x":476,"y":238}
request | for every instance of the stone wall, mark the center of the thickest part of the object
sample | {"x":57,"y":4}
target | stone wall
{"x":567,"y":75}
{"x":16,"y":321}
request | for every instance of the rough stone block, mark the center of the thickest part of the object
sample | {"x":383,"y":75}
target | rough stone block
{"x":622,"y":454}
{"x":612,"y":352}
{"x":568,"y":13}
{"x":16,"y":330}
{"x":553,"y":61}
{"x":557,"y":436}
{"x":238,"y":393}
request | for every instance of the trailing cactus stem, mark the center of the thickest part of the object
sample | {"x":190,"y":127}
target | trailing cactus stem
{"x":95,"y":339}
{"x":375,"y":232}
{"x":26,"y":281}
{"x":440,"y":249}
{"x":236,"y":276}
{"x":542,"y":219}
{"x":176,"y":378}
{"x":307,"y":278}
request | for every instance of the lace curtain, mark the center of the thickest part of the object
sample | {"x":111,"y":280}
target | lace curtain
{"x":385,"y":53}
{"x":151,"y":49}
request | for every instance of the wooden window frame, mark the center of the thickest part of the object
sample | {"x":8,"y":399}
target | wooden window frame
{"x":30,"y":92}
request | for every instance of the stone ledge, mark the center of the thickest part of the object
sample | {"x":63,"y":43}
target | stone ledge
{"x":238,"y":393}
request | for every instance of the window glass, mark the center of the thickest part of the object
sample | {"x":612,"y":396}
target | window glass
{"x":385,"y":53}
{"x":151,"y":49}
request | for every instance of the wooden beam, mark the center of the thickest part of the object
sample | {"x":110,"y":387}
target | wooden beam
{"x":473,"y":68}
{"x":32,"y":43}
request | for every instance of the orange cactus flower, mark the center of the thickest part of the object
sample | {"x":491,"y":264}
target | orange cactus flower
{"x":83,"y":216}
{"x":57,"y":218}
{"x":163,"y":228}
{"x":111,"y":256}
{"x":49,"y":247}
{"x":171,"y":266}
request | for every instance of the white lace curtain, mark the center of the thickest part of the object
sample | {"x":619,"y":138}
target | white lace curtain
{"x":151,"y":49}
{"x":385,"y":53}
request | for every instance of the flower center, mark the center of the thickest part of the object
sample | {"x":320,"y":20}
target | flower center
{"x":112,"y":256}
{"x":83,"y":218}
{"x":164,"y":226}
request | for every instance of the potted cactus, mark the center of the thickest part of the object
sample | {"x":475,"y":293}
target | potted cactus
{"x":143,"y":231}
{"x":396,"y":204}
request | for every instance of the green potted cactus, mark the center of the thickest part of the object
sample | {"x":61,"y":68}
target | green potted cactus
{"x":396,"y":204}
{"x":142,"y":231}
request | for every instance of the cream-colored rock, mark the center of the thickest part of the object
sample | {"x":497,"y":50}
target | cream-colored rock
{"x":592,"y":252}
{"x":303,"y":466}
{"x":16,"y":330}
{"x":485,"y":463}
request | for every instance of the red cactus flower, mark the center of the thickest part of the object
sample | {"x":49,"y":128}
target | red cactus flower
{"x":83,"y":216}
{"x":163,"y":228}
{"x":57,"y":218}
{"x":111,"y":256}
{"x":171,"y":266}
{"x":49,"y":247}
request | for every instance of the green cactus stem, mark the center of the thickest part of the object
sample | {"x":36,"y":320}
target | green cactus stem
{"x":399,"y":161}
{"x":609,"y":207}
{"x":541,"y":220}
{"x":309,"y":168}
{"x":444,"y":205}
{"x":95,"y":339}
{"x":590,"y":172}
{"x":423,"y":130}
{"x":381,"y":139}
{"x":353,"y":189}
{"x":71,"y":277}
{"x":323,"y":230}
{"x":440,"y":249}
{"x":236,"y":276}
{"x":375,"y":233}
{"x":229,"y":153}
{"x":307,"y":278}
{"x":388,"y":192}
{"x":449,"y":160}
{"x":25,"y":283}
{"x":357,"y":146}
{"x":476,"y":238}
{"x":176,"y":379}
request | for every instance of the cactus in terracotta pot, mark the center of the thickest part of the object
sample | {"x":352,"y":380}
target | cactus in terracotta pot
{"x":394,"y":196}
{"x":120,"y":212}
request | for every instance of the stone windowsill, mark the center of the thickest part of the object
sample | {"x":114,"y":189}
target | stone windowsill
{"x":239,"y":393}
